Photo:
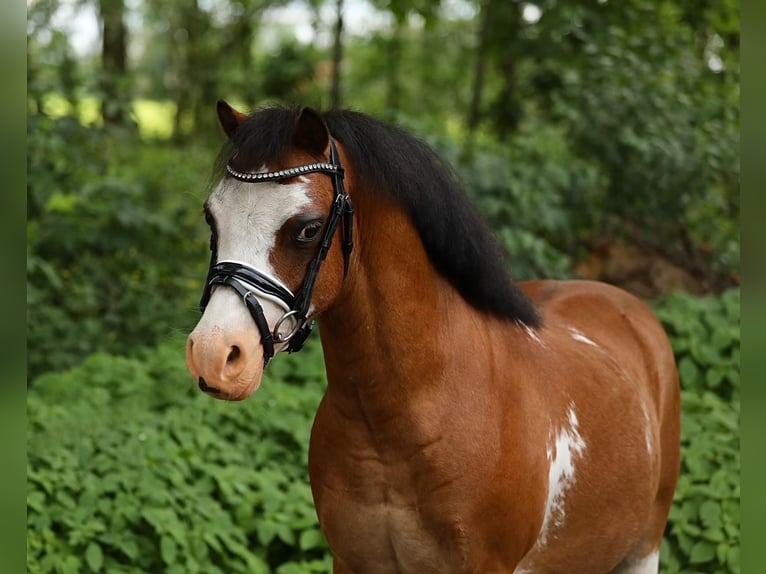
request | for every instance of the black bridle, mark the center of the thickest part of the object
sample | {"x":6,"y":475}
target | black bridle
{"x":247,"y":281}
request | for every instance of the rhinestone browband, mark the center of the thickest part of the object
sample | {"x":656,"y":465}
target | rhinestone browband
{"x":285,"y":173}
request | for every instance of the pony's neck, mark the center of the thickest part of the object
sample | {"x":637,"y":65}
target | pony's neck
{"x":387,"y":338}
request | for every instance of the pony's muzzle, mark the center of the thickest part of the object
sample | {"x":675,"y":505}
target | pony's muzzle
{"x":205,"y":388}
{"x":225,"y":366}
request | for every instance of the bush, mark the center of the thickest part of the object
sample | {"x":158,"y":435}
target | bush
{"x":703,"y":533}
{"x":128,"y":472}
{"x":535,"y":193}
{"x":116,"y":246}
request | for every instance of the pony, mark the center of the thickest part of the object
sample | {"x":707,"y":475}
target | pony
{"x":470,"y":423}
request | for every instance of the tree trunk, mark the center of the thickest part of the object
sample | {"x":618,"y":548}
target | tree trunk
{"x":393,"y":69}
{"x":508,"y":109}
{"x":474,"y":111}
{"x":114,"y":51}
{"x":337,"y":57}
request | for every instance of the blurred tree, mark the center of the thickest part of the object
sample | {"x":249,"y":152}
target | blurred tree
{"x":287,"y":74}
{"x":499,"y":44}
{"x":239,"y":68}
{"x":480,"y":66}
{"x":51,"y":63}
{"x":114,"y":81}
{"x":401,"y":11}
{"x":337,"y":56}
{"x":659,"y":112}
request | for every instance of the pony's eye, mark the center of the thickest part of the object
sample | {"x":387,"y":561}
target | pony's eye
{"x":310,"y":232}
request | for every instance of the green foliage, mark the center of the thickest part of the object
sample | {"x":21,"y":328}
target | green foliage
{"x":130,"y":472}
{"x":534,"y":192}
{"x":703,"y":534}
{"x":370,"y":68}
{"x":285,"y":74}
{"x":116,"y":248}
{"x":705,"y":335}
{"x":627,"y":102}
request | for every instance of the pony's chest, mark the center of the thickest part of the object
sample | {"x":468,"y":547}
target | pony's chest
{"x":388,"y":536}
{"x":393,"y":517}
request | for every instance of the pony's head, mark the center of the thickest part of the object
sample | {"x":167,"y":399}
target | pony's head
{"x":280,"y":221}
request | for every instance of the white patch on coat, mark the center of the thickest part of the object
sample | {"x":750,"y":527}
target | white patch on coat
{"x":248,"y":217}
{"x":647,"y":429}
{"x":649,"y":564}
{"x":568,"y":445}
{"x":577,"y":335}
{"x":531,"y":333}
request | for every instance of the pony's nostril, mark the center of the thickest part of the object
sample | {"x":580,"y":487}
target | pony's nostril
{"x":205,"y":388}
{"x":233,"y":354}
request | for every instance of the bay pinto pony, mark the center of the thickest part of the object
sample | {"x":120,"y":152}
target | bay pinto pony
{"x":470,"y":424}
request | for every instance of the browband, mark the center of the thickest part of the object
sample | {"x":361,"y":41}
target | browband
{"x":257,"y":177}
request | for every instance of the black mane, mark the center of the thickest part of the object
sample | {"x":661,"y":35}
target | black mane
{"x":458,"y":242}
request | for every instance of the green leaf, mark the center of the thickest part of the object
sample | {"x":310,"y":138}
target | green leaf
{"x":129,"y":547}
{"x":291,"y":568}
{"x":688,"y":372}
{"x":36,"y":500}
{"x":702,"y":551}
{"x":285,"y":534}
{"x":713,"y":534}
{"x":256,"y":565}
{"x":70,"y":565}
{"x":168,"y":549}
{"x":266,"y":531}
{"x":714,"y":377}
{"x":310,"y":539}
{"x":732,"y":559}
{"x":94,"y":557}
{"x":710,"y":514}
{"x":721,"y":551}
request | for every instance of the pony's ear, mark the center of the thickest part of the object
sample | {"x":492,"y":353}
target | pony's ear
{"x":229,"y":118}
{"x":311,"y":133}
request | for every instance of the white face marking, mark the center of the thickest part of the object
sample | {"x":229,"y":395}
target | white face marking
{"x":247,"y":219}
{"x":567,"y":446}
{"x":578,"y":336}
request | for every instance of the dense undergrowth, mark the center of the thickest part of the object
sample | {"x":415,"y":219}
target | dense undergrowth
{"x":133,"y":470}
{"x":115,"y":241}
{"x":703,"y":534}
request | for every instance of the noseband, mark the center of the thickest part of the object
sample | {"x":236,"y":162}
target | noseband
{"x":249,"y":282}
